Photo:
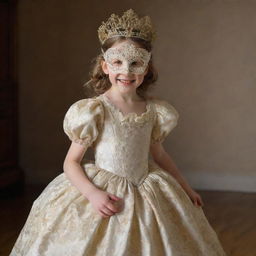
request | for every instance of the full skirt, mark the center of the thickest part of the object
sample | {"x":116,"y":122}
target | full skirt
{"x":158,"y":219}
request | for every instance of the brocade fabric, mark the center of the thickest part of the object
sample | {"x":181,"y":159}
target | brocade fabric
{"x":158,"y":217}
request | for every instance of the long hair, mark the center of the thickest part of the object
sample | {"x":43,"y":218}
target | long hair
{"x":99,"y":81}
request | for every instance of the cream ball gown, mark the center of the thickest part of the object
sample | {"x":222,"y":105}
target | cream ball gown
{"x":158,"y":217}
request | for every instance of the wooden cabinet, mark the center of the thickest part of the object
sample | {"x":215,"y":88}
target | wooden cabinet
{"x":11,"y":176}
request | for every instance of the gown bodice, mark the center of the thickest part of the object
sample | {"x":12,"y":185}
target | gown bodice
{"x":121,"y":142}
{"x":123,"y":147}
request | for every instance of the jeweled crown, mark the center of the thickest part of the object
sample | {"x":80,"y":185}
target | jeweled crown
{"x":129,"y":25}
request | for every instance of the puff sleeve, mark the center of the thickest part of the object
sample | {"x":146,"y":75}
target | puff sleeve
{"x":83,"y":121}
{"x":166,"y":119}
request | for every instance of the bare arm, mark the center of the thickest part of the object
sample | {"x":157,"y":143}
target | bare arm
{"x":74,"y":171}
{"x":163,"y":159}
{"x":102,"y":201}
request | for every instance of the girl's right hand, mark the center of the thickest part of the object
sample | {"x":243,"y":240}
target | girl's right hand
{"x":104,"y":202}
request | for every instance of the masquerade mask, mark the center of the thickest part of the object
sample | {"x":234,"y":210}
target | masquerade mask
{"x":127,"y":58}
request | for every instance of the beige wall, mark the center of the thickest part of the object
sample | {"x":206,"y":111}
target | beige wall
{"x":205,"y":54}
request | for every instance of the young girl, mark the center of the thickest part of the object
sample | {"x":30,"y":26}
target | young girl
{"x":132,"y":201}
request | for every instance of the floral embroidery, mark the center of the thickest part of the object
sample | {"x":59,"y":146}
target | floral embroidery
{"x":132,"y":116}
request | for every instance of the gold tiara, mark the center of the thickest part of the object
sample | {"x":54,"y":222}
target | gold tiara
{"x":129,"y":25}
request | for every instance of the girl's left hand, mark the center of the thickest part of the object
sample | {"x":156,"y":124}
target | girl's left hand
{"x":195,"y":197}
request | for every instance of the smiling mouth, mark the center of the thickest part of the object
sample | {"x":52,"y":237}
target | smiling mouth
{"x":126,"y":81}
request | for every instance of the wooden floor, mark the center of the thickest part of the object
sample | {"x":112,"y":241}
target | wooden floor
{"x":231,"y":214}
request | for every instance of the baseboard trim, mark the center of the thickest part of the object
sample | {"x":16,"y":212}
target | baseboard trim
{"x":223,"y":182}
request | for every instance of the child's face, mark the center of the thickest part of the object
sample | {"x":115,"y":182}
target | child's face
{"x":126,"y":64}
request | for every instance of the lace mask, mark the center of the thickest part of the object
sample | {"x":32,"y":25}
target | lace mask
{"x":127,"y":59}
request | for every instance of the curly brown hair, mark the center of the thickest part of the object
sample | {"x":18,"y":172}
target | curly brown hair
{"x":99,"y":81}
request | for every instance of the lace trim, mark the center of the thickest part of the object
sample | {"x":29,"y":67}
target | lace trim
{"x":157,"y":140}
{"x":132,"y":116}
{"x":86,"y":142}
